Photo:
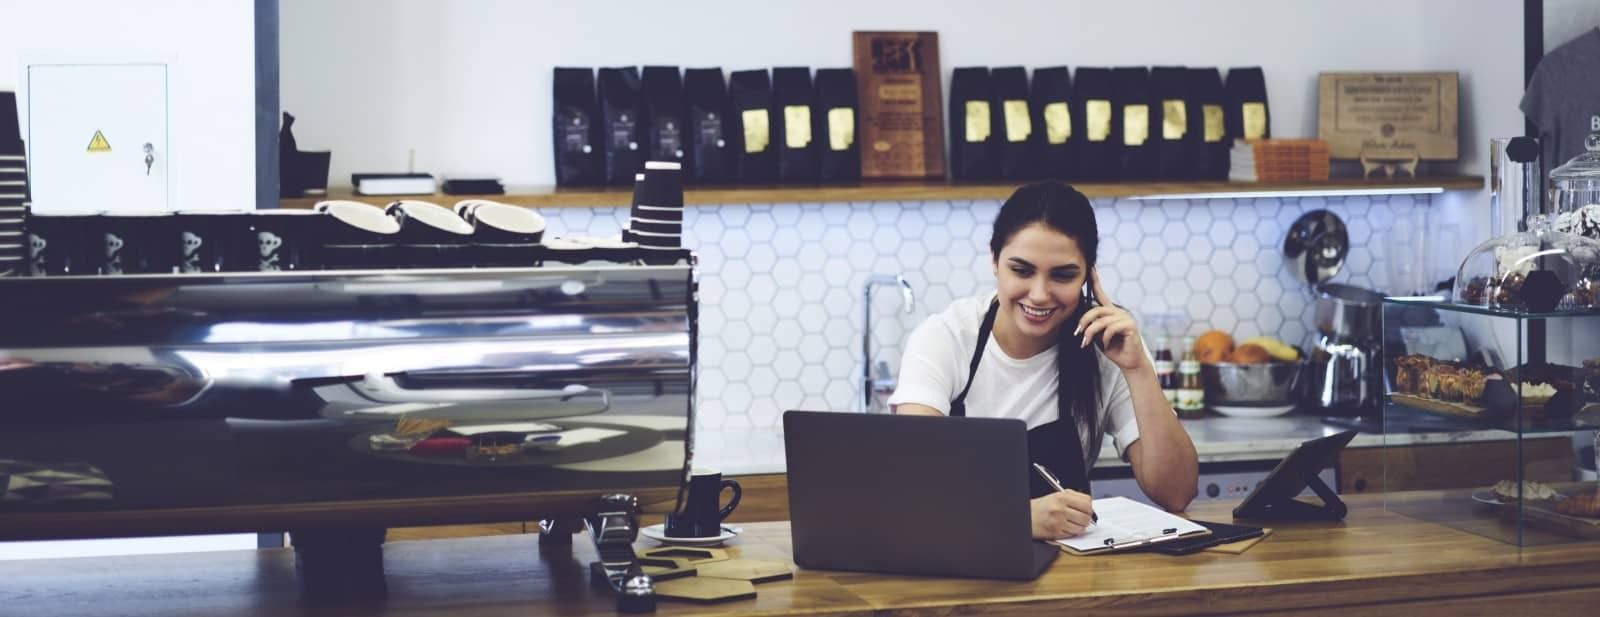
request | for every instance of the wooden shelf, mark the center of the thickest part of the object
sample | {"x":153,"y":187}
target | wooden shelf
{"x":549,"y":197}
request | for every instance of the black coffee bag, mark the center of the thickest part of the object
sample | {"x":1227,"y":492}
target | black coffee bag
{"x":1015,"y":131}
{"x":1170,"y":106}
{"x":792,"y":97}
{"x":710,"y":154}
{"x":1099,"y":152}
{"x":577,"y":132}
{"x":1133,"y":119}
{"x":1247,"y":104}
{"x":621,"y":109}
{"x":974,"y":151}
{"x":1209,"y":158}
{"x":1055,"y":134}
{"x":755,"y":156}
{"x":666,"y":134}
{"x":833,"y":122}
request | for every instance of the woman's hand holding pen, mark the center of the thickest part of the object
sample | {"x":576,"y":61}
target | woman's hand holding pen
{"x":1114,"y":328}
{"x":1061,"y":515}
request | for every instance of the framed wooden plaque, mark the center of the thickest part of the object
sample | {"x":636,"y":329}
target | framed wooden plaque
{"x":897,"y":86}
{"x":1389,"y":116}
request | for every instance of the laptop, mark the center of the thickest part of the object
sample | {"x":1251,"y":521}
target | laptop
{"x":911,"y":495}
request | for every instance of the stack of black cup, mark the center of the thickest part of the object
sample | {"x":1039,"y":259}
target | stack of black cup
{"x":14,"y":251}
{"x":656,"y":219}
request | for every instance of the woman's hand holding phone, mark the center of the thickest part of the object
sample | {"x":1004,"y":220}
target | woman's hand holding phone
{"x":1112,"y":328}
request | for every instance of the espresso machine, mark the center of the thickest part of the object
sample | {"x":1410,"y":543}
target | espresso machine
{"x":335,"y":404}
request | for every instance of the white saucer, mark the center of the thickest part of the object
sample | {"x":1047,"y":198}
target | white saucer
{"x":1243,"y":411}
{"x":659,"y":534}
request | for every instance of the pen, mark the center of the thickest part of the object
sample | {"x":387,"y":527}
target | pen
{"x":1050,"y":479}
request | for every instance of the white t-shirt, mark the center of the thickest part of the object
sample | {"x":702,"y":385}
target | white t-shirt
{"x":938,"y":356}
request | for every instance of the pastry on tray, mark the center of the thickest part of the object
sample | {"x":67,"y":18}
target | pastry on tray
{"x":1585,"y":504}
{"x":1441,"y":380}
{"x":1506,"y":491}
{"x":1408,"y":372}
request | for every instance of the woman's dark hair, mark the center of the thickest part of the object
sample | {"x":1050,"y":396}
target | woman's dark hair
{"x":1063,"y":209}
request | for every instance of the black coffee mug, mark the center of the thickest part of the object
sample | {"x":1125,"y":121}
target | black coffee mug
{"x":63,"y":245}
{"x":210,"y":242}
{"x":137,"y":243}
{"x":285,"y":239}
{"x":702,"y":517}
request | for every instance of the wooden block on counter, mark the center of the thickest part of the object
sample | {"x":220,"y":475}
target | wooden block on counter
{"x":751,"y":570}
{"x":702,"y":589}
{"x":693,"y":555}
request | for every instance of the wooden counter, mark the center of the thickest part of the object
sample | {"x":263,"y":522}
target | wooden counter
{"x":1374,"y":563}
{"x":552,"y":197}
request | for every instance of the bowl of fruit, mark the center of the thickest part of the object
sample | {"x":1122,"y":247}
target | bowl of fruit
{"x":1254,"y":378}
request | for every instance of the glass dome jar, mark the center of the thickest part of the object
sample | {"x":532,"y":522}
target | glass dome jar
{"x":1539,"y":270}
{"x":1575,"y":192}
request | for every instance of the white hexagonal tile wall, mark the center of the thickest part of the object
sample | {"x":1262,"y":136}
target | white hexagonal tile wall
{"x":781,"y":282}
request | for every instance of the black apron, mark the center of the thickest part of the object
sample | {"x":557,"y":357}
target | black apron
{"x":1056,"y":445}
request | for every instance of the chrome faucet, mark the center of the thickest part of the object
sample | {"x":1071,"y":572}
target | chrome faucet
{"x":870,"y":386}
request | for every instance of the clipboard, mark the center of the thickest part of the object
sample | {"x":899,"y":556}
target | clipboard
{"x":1126,"y":524}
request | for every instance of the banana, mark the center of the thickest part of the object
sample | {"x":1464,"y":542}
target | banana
{"x":1279,"y":350}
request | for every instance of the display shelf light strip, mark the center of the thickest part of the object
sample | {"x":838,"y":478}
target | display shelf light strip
{"x":1417,"y":190}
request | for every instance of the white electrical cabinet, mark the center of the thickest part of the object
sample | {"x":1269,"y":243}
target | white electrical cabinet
{"x":98,"y":136}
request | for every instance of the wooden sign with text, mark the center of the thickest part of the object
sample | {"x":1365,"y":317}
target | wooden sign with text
{"x":897,"y":89}
{"x":1389,"y":116}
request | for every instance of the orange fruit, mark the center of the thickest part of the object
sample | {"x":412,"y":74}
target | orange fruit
{"x":1213,"y":346}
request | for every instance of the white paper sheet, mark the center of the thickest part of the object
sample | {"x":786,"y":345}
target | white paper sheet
{"x":1126,"y":522}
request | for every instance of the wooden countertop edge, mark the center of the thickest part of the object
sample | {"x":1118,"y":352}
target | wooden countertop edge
{"x":551,"y":197}
{"x":1346,"y":592}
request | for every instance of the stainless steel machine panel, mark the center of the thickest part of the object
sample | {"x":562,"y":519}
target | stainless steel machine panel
{"x":285,"y":392}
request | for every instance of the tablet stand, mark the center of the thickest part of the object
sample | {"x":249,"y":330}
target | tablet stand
{"x":1274,"y":498}
{"x":1288,"y":508}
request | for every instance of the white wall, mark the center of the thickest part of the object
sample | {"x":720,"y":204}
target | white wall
{"x":1483,"y":40}
{"x":467,"y":84}
{"x":211,"y":97}
{"x":1564,"y":20}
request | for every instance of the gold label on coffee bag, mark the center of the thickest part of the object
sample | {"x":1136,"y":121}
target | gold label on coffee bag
{"x":1135,"y":124}
{"x":841,"y":128}
{"x":977,"y":121}
{"x":756,"y":131}
{"x":1057,"y":123}
{"x":1255,"y":120}
{"x":1174,"y":119}
{"x":1214,"y":124}
{"x":1018,"y":124}
{"x":1098,"y":114}
{"x":796,"y":126}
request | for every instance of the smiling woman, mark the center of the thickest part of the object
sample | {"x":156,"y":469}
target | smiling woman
{"x":1051,"y":348}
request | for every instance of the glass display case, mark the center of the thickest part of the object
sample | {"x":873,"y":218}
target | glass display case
{"x":1495,"y":376}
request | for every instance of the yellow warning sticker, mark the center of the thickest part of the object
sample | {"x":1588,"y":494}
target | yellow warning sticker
{"x":99,"y":143}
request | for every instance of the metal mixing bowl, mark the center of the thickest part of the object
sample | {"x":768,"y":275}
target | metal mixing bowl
{"x":1271,"y":383}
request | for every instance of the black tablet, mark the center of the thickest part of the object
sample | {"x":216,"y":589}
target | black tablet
{"x":1221,"y":533}
{"x":1274,"y":498}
